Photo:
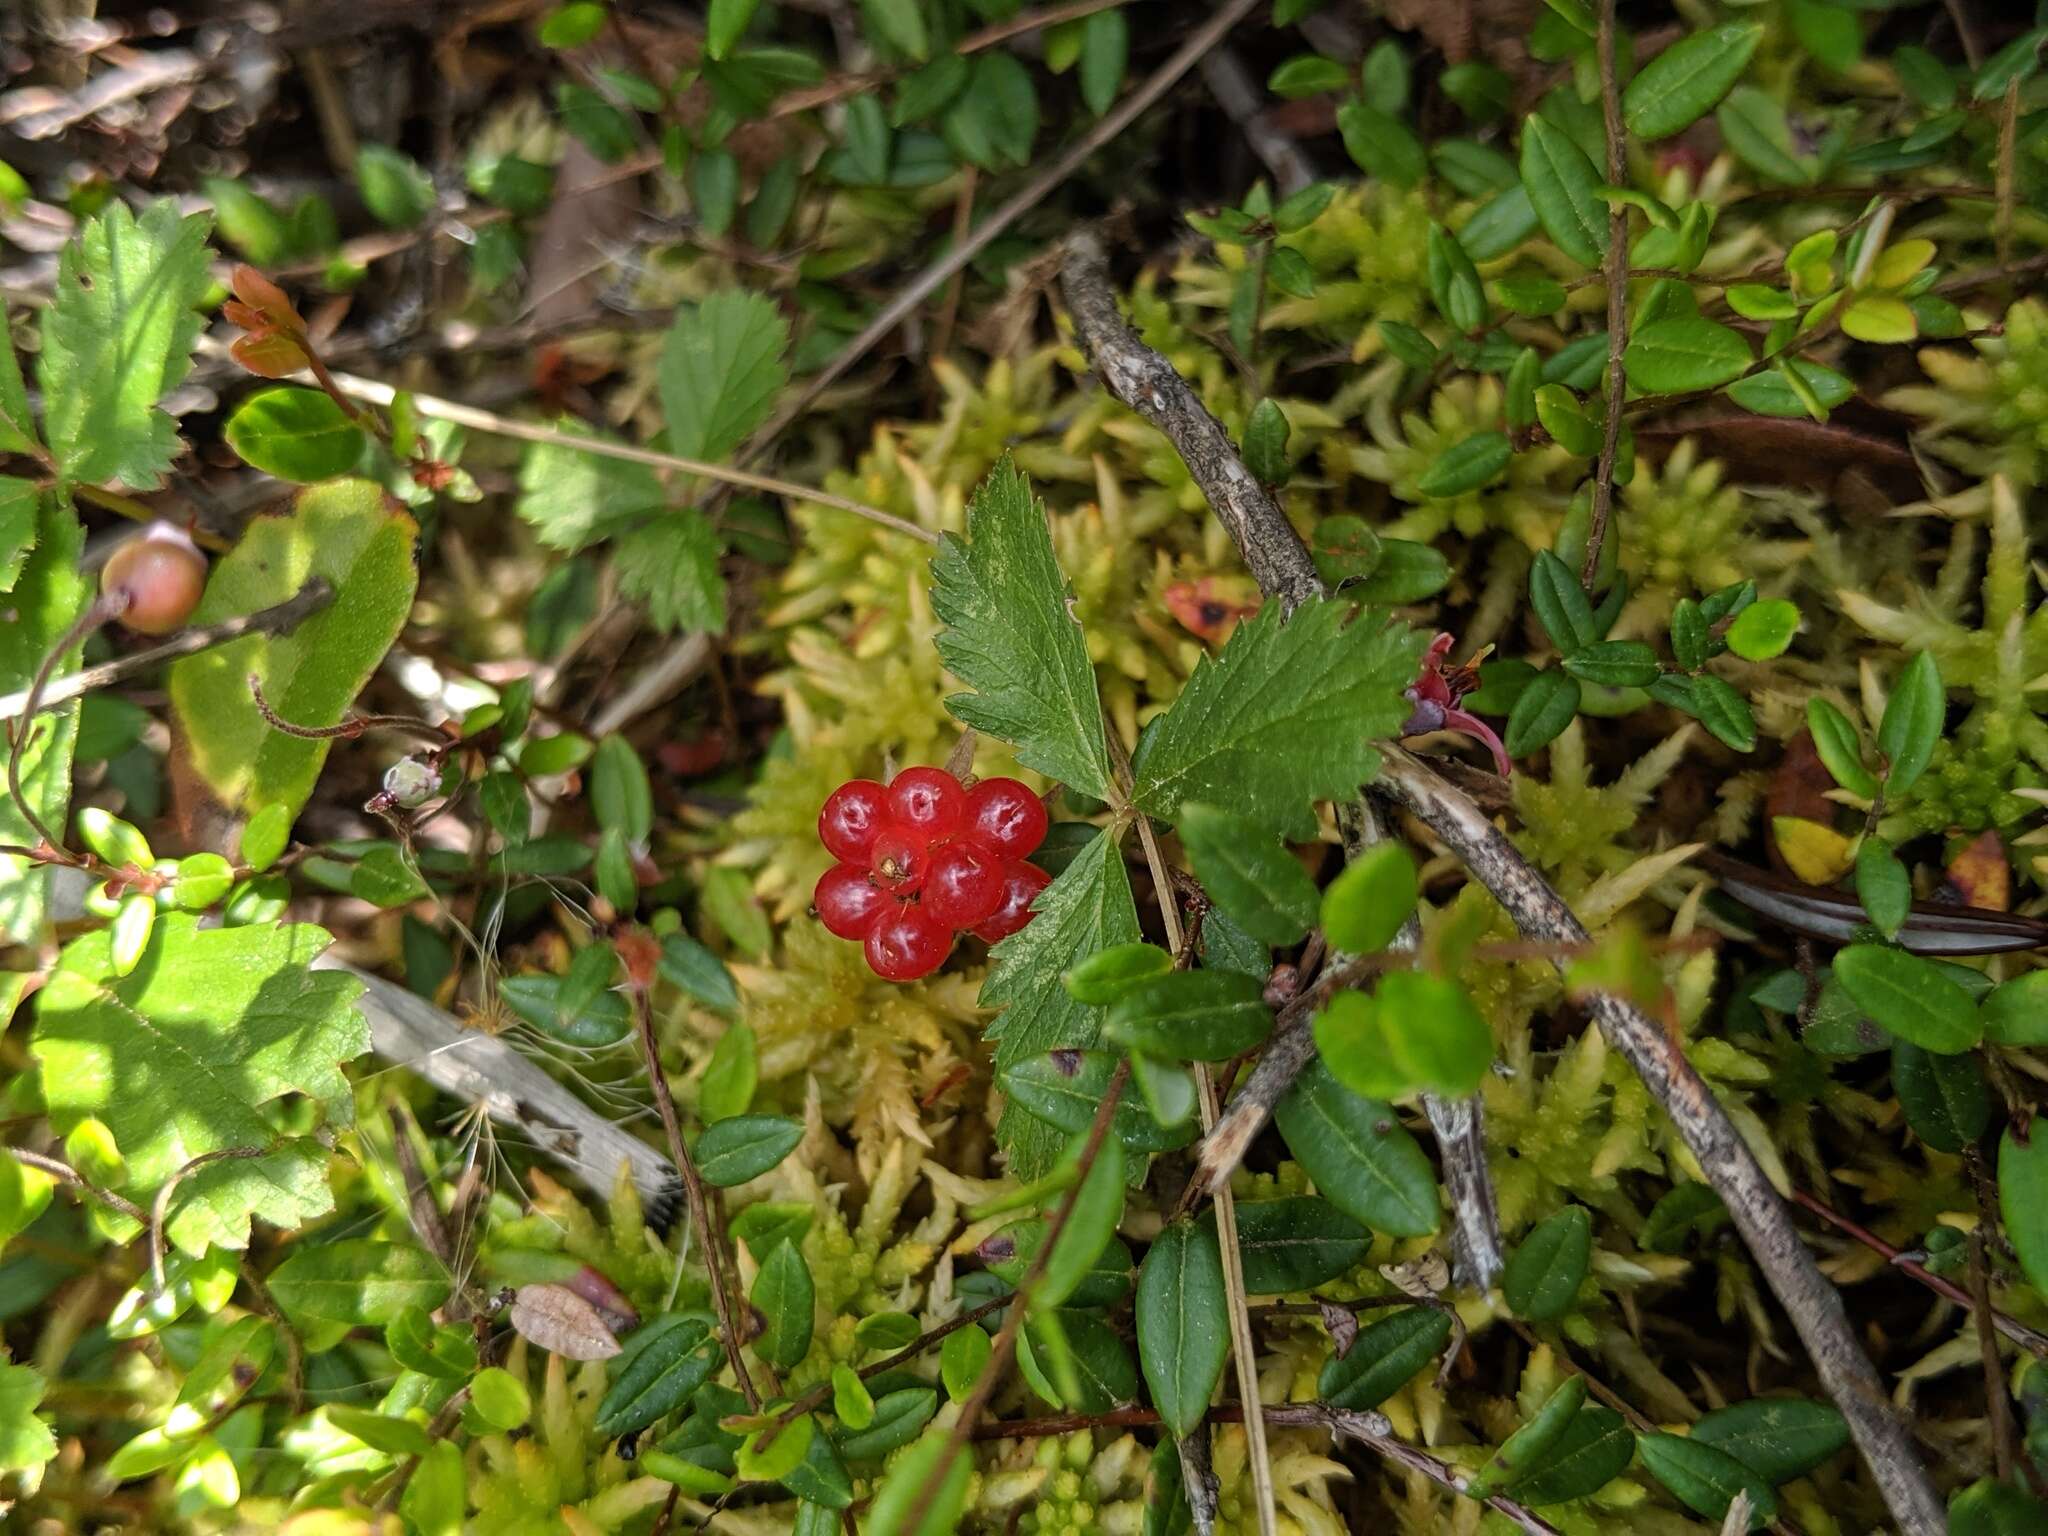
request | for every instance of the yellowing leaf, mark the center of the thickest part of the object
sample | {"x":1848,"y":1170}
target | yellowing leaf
{"x":1877,"y":317}
{"x":348,"y":533}
{"x":1816,"y":855}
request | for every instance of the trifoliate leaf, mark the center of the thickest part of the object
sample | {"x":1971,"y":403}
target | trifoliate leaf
{"x":1284,"y":717}
{"x":1011,"y":635}
{"x":180,"y":1058}
{"x":670,"y":563}
{"x":118,"y":338}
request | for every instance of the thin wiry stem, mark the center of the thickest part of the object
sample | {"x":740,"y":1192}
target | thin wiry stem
{"x":1617,"y":299}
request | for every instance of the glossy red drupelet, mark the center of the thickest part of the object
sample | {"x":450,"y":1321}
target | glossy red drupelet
{"x":923,"y":861}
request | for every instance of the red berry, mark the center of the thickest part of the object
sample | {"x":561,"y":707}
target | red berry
{"x":847,"y":901}
{"x":907,"y":943}
{"x":161,"y":574}
{"x":853,"y":814}
{"x":899,"y":860}
{"x":1021,"y":884}
{"x":964,"y":885}
{"x":1005,"y":818}
{"x":928,"y":802}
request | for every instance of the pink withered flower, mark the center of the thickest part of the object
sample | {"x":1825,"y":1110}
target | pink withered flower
{"x":1435,"y":695}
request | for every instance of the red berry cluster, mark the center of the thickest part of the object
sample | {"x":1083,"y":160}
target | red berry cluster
{"x":923,"y":860}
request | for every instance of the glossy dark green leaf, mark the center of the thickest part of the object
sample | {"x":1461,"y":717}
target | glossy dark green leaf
{"x":1265,"y":436}
{"x":1009,"y":1254}
{"x":1245,"y":871}
{"x":671,"y":1358}
{"x":1454,"y":282}
{"x":1295,"y":1243}
{"x":1542,"y":1280}
{"x":1911,"y":997}
{"x":1065,"y":1088}
{"x":784,"y":1295}
{"x":1564,"y":189}
{"x":1099,"y":1368}
{"x":1525,"y":1449}
{"x":745,"y":1147}
{"x":1466,"y":465}
{"x":1090,"y":1226}
{"x":1685,"y":352}
{"x":1682,"y":84}
{"x":1705,"y":1479}
{"x":1183,"y":1327}
{"x":296,"y":434}
{"x":1882,"y":885}
{"x":1614,"y":664}
{"x":2023,"y":1201}
{"x":1991,"y":1508}
{"x":1778,"y":1438}
{"x":1912,"y":723}
{"x":1561,"y":603}
{"x":1108,"y":973}
{"x":2016,"y":1012}
{"x":1361,"y":1158}
{"x":1192,"y":1016}
{"x":1945,"y":1098}
{"x":821,"y":1477}
{"x":1541,"y":711}
{"x":1723,"y":711}
{"x":1383,"y":1358}
{"x":899,"y":1415}
{"x":1594,"y":1450}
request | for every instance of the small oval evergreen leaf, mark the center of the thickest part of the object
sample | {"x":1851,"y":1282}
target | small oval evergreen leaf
{"x":1683,"y":83}
{"x":678,"y":1356}
{"x":1910,"y":997}
{"x":1706,"y":1479}
{"x":898,"y":1417}
{"x":1192,"y":1016}
{"x":1383,"y":1358}
{"x":784,"y":1295}
{"x":1245,"y":871}
{"x":744,"y":1147}
{"x":1543,"y":1278}
{"x":1295,"y":1244}
{"x":1183,"y":1337}
{"x":1527,"y":1446}
{"x":1065,"y":1088}
{"x":1595,"y":1449}
{"x":1367,"y":904}
{"x":1466,"y":465}
{"x":1362,"y":1160}
{"x":1778,"y":1438}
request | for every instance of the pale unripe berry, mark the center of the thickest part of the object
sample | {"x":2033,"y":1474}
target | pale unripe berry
{"x":162,"y":574}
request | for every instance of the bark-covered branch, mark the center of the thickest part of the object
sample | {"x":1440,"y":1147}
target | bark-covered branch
{"x":1148,"y":383}
{"x":1279,"y":560}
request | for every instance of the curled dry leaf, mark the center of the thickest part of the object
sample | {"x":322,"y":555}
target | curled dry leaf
{"x":562,"y":1322}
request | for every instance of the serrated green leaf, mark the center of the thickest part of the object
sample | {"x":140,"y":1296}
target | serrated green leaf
{"x":1246,"y":872}
{"x":1087,"y":908}
{"x":1065,"y":1088}
{"x":1361,"y":1158}
{"x":1284,"y":717}
{"x":1011,"y":636}
{"x":1681,"y":84}
{"x":1542,"y":1280}
{"x":180,"y":1057}
{"x":721,"y":368}
{"x":118,"y":338}
{"x":670,"y":564}
{"x":25,"y":1438}
{"x":348,"y":534}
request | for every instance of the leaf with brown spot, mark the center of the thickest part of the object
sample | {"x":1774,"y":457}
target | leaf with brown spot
{"x":1979,"y":875}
